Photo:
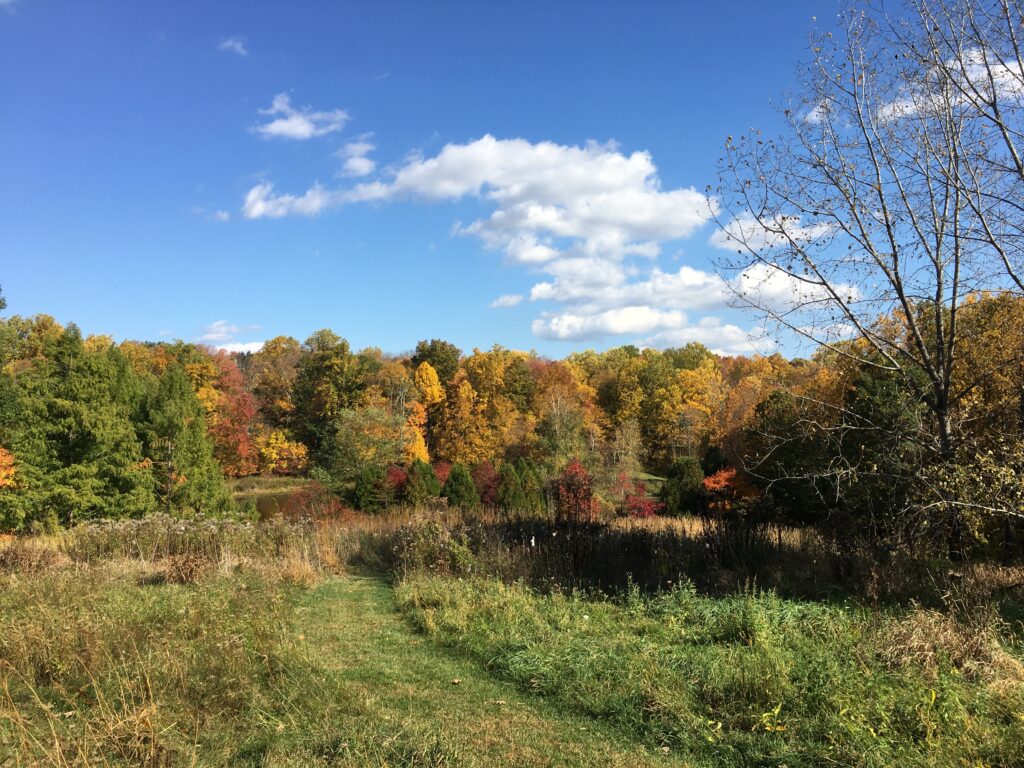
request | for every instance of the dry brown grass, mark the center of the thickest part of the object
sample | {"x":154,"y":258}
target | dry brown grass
{"x":928,"y":640}
{"x":22,"y":555}
{"x":185,"y":568}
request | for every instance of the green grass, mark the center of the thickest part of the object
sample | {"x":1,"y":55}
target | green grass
{"x":105,"y":665}
{"x":256,"y":485}
{"x":408,"y":683}
{"x":170,"y":642}
{"x":744,"y":680}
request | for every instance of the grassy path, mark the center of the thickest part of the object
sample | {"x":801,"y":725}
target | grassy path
{"x":408,"y":686}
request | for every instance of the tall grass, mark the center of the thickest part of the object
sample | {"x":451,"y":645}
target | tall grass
{"x":188,"y":655}
{"x":748,"y":679}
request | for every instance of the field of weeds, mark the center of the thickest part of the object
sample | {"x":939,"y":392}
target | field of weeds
{"x":421,"y":638}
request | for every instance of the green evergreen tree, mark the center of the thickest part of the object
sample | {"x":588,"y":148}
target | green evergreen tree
{"x":683,"y":491}
{"x":68,"y":419}
{"x":422,"y":484}
{"x":459,"y":488}
{"x":511,"y":497}
{"x":369,"y":494}
{"x":189,"y":479}
{"x":533,"y":487}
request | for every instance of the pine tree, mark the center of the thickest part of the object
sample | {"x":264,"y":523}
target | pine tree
{"x":369,"y":493}
{"x":683,"y":491}
{"x":533,"y":487}
{"x":511,"y":497}
{"x":459,"y":488}
{"x":422,"y":484}
{"x":189,"y":480}
{"x":69,"y":421}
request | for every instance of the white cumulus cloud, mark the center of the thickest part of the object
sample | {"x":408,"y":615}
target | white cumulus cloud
{"x":221,"y":334}
{"x":720,"y":337}
{"x":261,"y":202}
{"x":549,"y":199}
{"x":299,"y":123}
{"x":572,"y":326}
{"x":354,"y":157}
{"x":242,"y":346}
{"x":592,"y":219}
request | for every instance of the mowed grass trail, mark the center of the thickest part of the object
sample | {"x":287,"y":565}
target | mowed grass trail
{"x":428,"y":695}
{"x":118,"y":665}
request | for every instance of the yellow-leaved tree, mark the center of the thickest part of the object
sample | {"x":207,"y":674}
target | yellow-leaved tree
{"x":7,"y":471}
{"x":428,"y":385}
{"x":416,"y":433}
{"x":279,"y":455}
{"x":462,"y":429}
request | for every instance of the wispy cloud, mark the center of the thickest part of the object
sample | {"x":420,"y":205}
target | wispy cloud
{"x":234,"y":44}
{"x":216,"y":215}
{"x":508,"y":300}
{"x":218,"y":331}
{"x":299,"y":123}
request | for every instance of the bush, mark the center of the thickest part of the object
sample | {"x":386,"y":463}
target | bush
{"x":485,"y":478}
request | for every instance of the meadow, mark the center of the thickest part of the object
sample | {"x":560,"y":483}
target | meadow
{"x":421,"y":638}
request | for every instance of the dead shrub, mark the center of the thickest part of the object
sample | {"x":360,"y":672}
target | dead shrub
{"x":185,"y":568}
{"x":297,"y":570}
{"x":21,"y":557}
{"x":927,"y":639}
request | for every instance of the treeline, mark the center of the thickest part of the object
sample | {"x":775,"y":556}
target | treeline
{"x":85,"y":433}
{"x":90,"y":428}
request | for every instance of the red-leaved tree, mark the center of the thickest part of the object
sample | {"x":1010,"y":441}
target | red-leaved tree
{"x":575,"y":494}
{"x":638,"y":502}
{"x":232,"y":422}
{"x":485,"y":478}
{"x":441,"y":470}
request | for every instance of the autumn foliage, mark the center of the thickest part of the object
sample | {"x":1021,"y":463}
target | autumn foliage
{"x":575,"y":494}
{"x":725,"y":487}
{"x":7,"y":473}
{"x":639,"y":503}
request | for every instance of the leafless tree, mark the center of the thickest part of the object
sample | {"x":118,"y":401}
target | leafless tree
{"x":975,"y":48}
{"x":891,"y":197}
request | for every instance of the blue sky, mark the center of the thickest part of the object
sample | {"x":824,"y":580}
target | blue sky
{"x":227,"y":172}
